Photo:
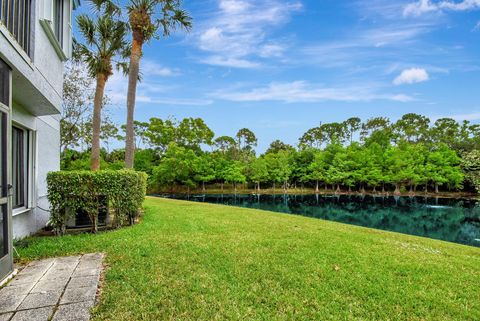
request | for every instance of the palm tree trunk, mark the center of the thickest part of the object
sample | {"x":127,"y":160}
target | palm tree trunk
{"x":97,"y":121}
{"x":133,"y":71}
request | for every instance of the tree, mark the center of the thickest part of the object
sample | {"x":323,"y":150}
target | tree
{"x":224,"y":143}
{"x":354,"y":166}
{"x":190,"y":133}
{"x":108,"y":131}
{"x":352,"y":125}
{"x":161,"y":133}
{"x":78,"y":95}
{"x":330,"y":152}
{"x":445,"y":131}
{"x":193,"y":132}
{"x":233,"y":174}
{"x":277,"y":145}
{"x":220,"y":163}
{"x":314,"y":137}
{"x":258,"y":172}
{"x":377,"y":170}
{"x":205,"y":171}
{"x":405,"y":164}
{"x":317,"y":169}
{"x":375,"y":125}
{"x":177,"y":166}
{"x":279,"y":169}
{"x":471,"y":167}
{"x":140,"y":129}
{"x":246,"y":139}
{"x":443,"y":167}
{"x":412,"y":127}
{"x":334,"y":132}
{"x":145,"y":17}
{"x":104,"y":39}
{"x":145,"y":160}
{"x":340,"y":169}
{"x":300,"y":165}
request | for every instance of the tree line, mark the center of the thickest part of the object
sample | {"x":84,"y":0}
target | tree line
{"x":412,"y":154}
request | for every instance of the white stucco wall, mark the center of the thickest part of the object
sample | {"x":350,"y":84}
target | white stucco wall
{"x":37,"y":79}
{"x":45,"y":58}
{"x":45,"y":158}
{"x":37,"y":83}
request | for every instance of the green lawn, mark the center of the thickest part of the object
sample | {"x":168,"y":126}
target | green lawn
{"x":192,"y":261}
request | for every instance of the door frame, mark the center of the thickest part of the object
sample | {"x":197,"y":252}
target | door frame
{"x":6,"y":262}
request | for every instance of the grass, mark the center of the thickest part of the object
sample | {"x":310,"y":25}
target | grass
{"x":193,"y":261}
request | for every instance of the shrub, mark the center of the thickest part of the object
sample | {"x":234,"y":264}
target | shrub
{"x":71,"y":191}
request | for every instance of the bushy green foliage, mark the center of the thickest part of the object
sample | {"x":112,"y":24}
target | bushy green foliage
{"x":471,"y":167}
{"x":233,"y":174}
{"x":177,"y":167}
{"x":70,"y":191}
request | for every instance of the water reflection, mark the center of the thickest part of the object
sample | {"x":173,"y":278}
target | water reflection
{"x":454,"y":220}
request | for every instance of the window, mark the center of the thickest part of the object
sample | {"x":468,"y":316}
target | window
{"x":56,"y":19}
{"x":4,"y":84}
{"x":20,"y":138}
{"x":15,"y":15}
{"x":58,"y":25}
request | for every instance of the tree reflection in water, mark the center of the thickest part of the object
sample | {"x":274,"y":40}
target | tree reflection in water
{"x":454,"y":220}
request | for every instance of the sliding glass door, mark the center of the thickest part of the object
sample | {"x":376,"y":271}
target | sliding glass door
{"x":6,"y":261}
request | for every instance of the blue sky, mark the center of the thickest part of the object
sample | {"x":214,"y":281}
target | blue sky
{"x":280,"y":67}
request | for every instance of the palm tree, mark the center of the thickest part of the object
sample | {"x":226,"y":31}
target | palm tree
{"x":103,"y":41}
{"x":145,"y":18}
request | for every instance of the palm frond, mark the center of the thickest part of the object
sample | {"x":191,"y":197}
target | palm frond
{"x":87,"y":28}
{"x":104,"y":39}
{"x":108,"y":6}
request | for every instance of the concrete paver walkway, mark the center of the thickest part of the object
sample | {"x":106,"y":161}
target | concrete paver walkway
{"x":59,"y":289}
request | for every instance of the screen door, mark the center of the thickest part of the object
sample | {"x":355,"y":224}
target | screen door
{"x":6,"y":260}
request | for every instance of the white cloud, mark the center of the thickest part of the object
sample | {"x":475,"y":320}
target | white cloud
{"x":148,"y":92}
{"x":402,"y":98}
{"x":234,"y":6}
{"x":239,"y":32}
{"x":174,"y":101}
{"x":411,"y":76}
{"x":425,"y":6}
{"x":477,"y":27}
{"x":470,"y":116}
{"x":155,"y":69}
{"x":229,"y":62}
{"x":302,"y":91}
{"x":271,"y":50}
{"x":419,"y":8}
{"x":367,"y":47}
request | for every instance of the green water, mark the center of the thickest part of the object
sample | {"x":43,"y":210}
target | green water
{"x":454,"y":220}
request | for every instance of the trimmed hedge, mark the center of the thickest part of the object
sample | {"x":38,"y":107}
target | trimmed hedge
{"x":71,"y":191}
